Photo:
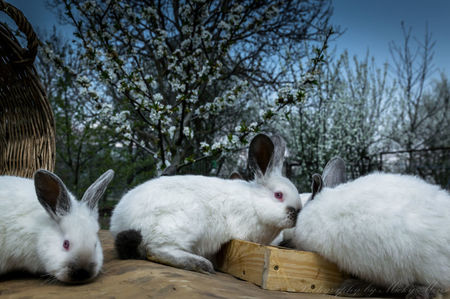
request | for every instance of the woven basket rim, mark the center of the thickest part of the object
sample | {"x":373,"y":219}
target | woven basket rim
{"x":27,"y":125}
{"x":28,"y":54}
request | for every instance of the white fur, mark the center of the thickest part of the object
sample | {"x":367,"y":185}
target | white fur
{"x":30,"y":240}
{"x":197,"y":214}
{"x":392,"y":230}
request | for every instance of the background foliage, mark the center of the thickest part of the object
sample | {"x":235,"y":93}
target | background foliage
{"x":181,"y":86}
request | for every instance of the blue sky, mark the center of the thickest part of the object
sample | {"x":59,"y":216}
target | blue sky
{"x":373,"y":24}
{"x":368,"y":24}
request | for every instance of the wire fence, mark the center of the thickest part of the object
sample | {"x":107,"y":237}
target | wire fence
{"x":432,"y":164}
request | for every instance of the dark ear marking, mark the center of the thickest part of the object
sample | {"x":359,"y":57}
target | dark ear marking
{"x":96,"y":190}
{"x":316,"y":185}
{"x":51,"y":193}
{"x":236,"y":176}
{"x":260,"y":153}
{"x":276,"y":163}
{"x":334,"y":173}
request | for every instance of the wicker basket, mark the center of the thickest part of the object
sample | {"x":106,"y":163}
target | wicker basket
{"x":27,"y":129}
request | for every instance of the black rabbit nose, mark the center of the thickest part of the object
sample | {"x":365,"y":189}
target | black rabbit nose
{"x":291,"y":210}
{"x":292,"y":214}
{"x":80,"y":274}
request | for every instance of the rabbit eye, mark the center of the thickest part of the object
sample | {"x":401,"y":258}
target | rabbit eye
{"x":279,"y":196}
{"x":66,"y":244}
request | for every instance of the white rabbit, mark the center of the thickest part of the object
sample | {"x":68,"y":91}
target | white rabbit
{"x":390,"y":230}
{"x":182,"y":221}
{"x":44,"y":230}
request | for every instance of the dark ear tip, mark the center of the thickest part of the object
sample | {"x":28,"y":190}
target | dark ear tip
{"x":262,"y":137}
{"x":316,"y":178}
{"x":236,"y":176}
{"x":316,"y":185}
{"x":170,"y":170}
{"x":278,"y":138}
{"x":109,"y":175}
{"x":110,"y":172}
{"x":335,"y":161}
{"x":41,"y":172}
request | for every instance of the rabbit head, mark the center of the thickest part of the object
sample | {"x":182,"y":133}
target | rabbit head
{"x":265,"y":161}
{"x":69,"y":246}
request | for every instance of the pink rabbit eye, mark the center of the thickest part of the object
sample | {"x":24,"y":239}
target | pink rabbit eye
{"x":66,"y":244}
{"x":279,"y":196}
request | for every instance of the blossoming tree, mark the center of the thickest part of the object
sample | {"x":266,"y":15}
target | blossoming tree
{"x":188,"y":81}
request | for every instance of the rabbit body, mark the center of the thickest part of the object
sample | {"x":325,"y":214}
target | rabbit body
{"x":63,"y":244}
{"x":198,"y":214}
{"x":389,"y":229}
{"x":183,"y":220}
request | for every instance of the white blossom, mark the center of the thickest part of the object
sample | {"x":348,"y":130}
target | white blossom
{"x":171,"y":131}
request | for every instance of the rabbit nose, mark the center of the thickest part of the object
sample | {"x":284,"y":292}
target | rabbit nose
{"x":80,"y":274}
{"x":292,"y":214}
{"x":291,"y":210}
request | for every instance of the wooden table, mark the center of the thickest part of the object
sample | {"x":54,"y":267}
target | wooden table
{"x":140,"y":279}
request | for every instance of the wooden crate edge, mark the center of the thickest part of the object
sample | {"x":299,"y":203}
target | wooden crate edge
{"x":270,"y":277}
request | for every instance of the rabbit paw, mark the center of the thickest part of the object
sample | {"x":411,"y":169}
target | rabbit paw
{"x":182,"y":259}
{"x":201,"y":265}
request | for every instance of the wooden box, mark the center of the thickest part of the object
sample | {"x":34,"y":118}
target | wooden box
{"x":277,"y":268}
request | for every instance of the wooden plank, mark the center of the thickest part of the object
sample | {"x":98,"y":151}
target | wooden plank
{"x":275,"y":268}
{"x":301,"y":271}
{"x":140,"y":279}
{"x":244,"y":260}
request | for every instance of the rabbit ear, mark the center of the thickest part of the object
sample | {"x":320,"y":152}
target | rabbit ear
{"x":260,"y":153}
{"x":169,"y":171}
{"x":236,"y":176}
{"x":334,"y":172}
{"x":276,"y":163}
{"x":316,"y":186}
{"x":96,"y":190}
{"x":52,"y":194}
